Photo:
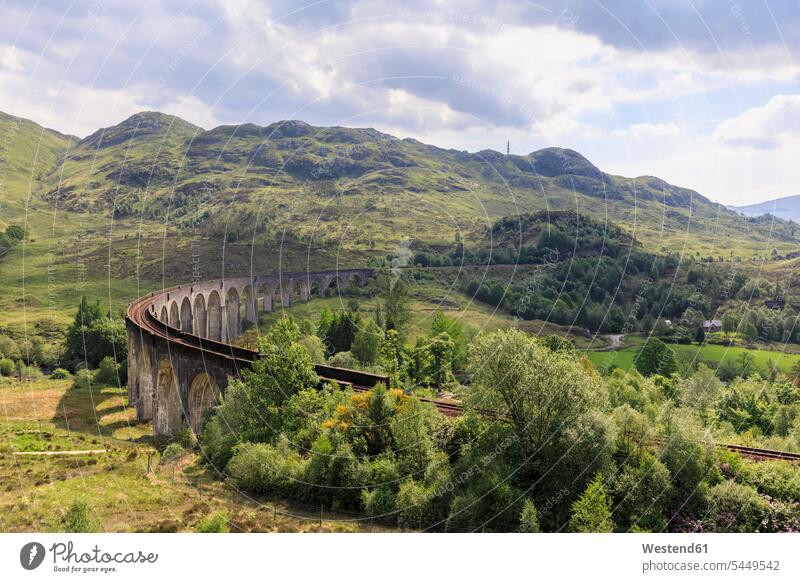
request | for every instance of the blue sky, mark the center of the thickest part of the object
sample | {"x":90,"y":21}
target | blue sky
{"x":703,"y":94}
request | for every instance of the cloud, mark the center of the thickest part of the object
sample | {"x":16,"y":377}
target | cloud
{"x":649,"y":131}
{"x":9,"y":58}
{"x":764,"y":127}
{"x":625,"y":83}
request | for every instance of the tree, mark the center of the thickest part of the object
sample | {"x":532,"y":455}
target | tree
{"x":729,"y":323}
{"x":412,"y":431}
{"x":342,"y":332}
{"x":655,"y":357}
{"x":395,"y":303}
{"x":700,"y":335}
{"x":591,"y":513}
{"x":701,"y":389}
{"x":542,"y":393}
{"x":642,"y":489}
{"x":93,"y":336}
{"x":440,"y":361}
{"x":283,"y":368}
{"x":529,"y":518}
{"x":390,"y":357}
{"x":367,"y":343}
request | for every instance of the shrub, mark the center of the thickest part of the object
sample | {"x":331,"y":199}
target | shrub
{"x":59,"y":374}
{"x":264,"y":468}
{"x":343,"y":360}
{"x":78,"y":519}
{"x":108,"y":372}
{"x":735,"y":508}
{"x":777,"y":479}
{"x":28,"y":373}
{"x":592,"y":511}
{"x":529,"y":518}
{"x":7,"y":367}
{"x":216,"y":522}
{"x":172,"y":452}
{"x":83,"y":379}
{"x":185,"y":438}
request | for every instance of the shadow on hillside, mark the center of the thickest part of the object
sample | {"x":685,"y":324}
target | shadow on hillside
{"x":95,"y":410}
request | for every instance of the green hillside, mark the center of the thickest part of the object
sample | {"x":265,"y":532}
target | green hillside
{"x":126,"y":209}
{"x":292,"y":175}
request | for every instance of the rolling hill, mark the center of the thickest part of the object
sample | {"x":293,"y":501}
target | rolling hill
{"x":127,"y":208}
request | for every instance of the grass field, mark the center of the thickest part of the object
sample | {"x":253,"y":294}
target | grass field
{"x":50,"y":417}
{"x":427,"y":300}
{"x":712,"y":354}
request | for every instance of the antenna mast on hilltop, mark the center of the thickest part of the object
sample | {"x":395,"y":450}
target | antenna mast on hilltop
{"x":508,"y":148}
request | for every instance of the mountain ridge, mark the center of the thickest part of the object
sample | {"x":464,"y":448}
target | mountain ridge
{"x":785,"y":207}
{"x":157,"y":166}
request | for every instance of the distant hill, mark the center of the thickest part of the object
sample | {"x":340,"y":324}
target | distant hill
{"x":357,"y":187}
{"x":787,"y":208}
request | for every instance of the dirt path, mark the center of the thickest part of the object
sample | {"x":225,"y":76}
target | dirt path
{"x":49,"y":453}
{"x":615,"y":340}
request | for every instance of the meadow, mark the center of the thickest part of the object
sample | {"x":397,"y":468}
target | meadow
{"x":45,"y":422}
{"x":710,"y":354}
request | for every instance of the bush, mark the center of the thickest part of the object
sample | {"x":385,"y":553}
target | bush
{"x":591,"y":513}
{"x":264,"y":468}
{"x":343,"y":360}
{"x":83,"y":379}
{"x":216,"y":522}
{"x":185,"y":438}
{"x":529,"y":518}
{"x":78,"y":519}
{"x":172,"y":452}
{"x":777,"y":479}
{"x":59,"y":374}
{"x":28,"y":373}
{"x":108,"y":372}
{"x":7,"y":367}
{"x":735,"y":508}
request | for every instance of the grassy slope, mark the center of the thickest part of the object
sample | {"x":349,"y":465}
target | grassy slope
{"x":708,"y":353}
{"x":48,"y":415}
{"x":270,"y":198}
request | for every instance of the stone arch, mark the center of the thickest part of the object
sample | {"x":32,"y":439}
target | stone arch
{"x":169,"y":411}
{"x":264,"y":298}
{"x":199,"y":325}
{"x":145,"y":383}
{"x":164,"y":315}
{"x":186,"y":315}
{"x":298,"y":292}
{"x":232,"y":321}
{"x":174,"y":315}
{"x":335,"y":287}
{"x":214,"y":316}
{"x":317,"y":288}
{"x":203,"y":394}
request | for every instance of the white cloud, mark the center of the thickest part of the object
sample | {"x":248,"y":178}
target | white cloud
{"x":9,"y":58}
{"x":765,"y":127}
{"x":640,"y":131}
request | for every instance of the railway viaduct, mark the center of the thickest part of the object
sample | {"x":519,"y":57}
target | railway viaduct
{"x":180,"y":358}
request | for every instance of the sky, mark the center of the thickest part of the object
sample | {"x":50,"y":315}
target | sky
{"x":703,"y":94}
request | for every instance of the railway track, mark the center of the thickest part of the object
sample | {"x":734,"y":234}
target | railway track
{"x":139,"y":312}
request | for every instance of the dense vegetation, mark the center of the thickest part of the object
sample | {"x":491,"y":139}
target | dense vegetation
{"x":545,"y":444}
{"x":596,"y":276}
